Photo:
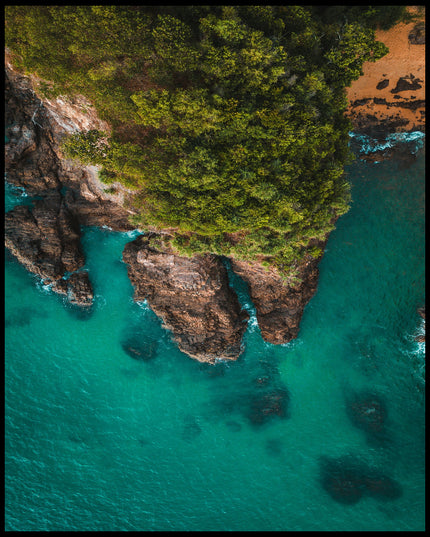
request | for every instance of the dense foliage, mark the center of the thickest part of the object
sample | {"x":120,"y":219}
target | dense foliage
{"x":227,"y":121}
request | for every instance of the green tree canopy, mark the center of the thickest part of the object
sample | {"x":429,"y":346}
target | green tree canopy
{"x":227,"y":121}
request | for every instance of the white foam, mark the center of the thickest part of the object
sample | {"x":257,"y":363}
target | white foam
{"x":371,"y":145}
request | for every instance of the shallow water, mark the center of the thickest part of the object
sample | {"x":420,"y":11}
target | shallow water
{"x":97,"y":440}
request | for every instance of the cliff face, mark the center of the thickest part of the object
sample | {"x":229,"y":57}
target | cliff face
{"x":191,"y":295}
{"x":279,"y":305}
{"x":45,"y":238}
{"x":390,"y":95}
{"x":33,"y":159}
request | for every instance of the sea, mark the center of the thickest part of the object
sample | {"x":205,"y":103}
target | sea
{"x":98,"y":440}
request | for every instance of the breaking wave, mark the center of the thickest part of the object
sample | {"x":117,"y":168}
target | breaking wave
{"x":367,"y":144}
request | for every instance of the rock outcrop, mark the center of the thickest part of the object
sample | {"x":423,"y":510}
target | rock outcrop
{"x":422,"y":336}
{"x":347,"y":479}
{"x":279,"y":304}
{"x":45,"y":238}
{"x":33,"y":158}
{"x":191,"y":295}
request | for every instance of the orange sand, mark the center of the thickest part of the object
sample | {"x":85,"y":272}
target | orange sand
{"x":403,"y":60}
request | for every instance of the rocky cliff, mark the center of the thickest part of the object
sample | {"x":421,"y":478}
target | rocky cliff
{"x":279,"y":305}
{"x":45,"y":238}
{"x":191,"y":295}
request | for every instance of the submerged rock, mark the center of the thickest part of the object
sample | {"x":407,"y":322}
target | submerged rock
{"x":265,"y":406}
{"x":342,"y":481}
{"x":381,"y":486}
{"x":367,"y":411}
{"x":192,"y":297}
{"x":140,"y":348}
{"x":348,"y":479}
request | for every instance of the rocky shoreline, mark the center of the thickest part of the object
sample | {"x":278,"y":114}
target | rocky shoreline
{"x":192,"y":296}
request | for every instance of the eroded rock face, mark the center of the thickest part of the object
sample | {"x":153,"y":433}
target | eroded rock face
{"x":45,"y":238}
{"x":77,"y":288}
{"x":33,"y":158}
{"x":192,"y":297}
{"x":279,"y":305}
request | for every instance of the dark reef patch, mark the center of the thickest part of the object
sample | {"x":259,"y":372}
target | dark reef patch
{"x":348,"y":479}
{"x":264,"y":406}
{"x":368,"y":411}
{"x":191,"y":429}
{"x":140,"y":347}
{"x":259,"y":395}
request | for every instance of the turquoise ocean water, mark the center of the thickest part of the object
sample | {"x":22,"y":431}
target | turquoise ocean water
{"x":96,"y":440}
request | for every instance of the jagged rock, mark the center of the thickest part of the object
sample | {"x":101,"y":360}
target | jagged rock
{"x":407,"y":83}
{"x":279,"y":305}
{"x":34,"y":161}
{"x":77,"y":287}
{"x":80,"y":291}
{"x":421,"y":338}
{"x":192,"y":297}
{"x":417,"y":36}
{"x":45,"y":238}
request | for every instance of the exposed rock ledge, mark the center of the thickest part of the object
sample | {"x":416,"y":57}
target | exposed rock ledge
{"x":45,"y":238}
{"x":279,"y":305}
{"x":191,"y":295}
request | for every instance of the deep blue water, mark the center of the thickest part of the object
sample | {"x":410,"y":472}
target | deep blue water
{"x":96,"y":440}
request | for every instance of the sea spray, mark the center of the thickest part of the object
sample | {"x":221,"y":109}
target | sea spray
{"x":368,"y":145}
